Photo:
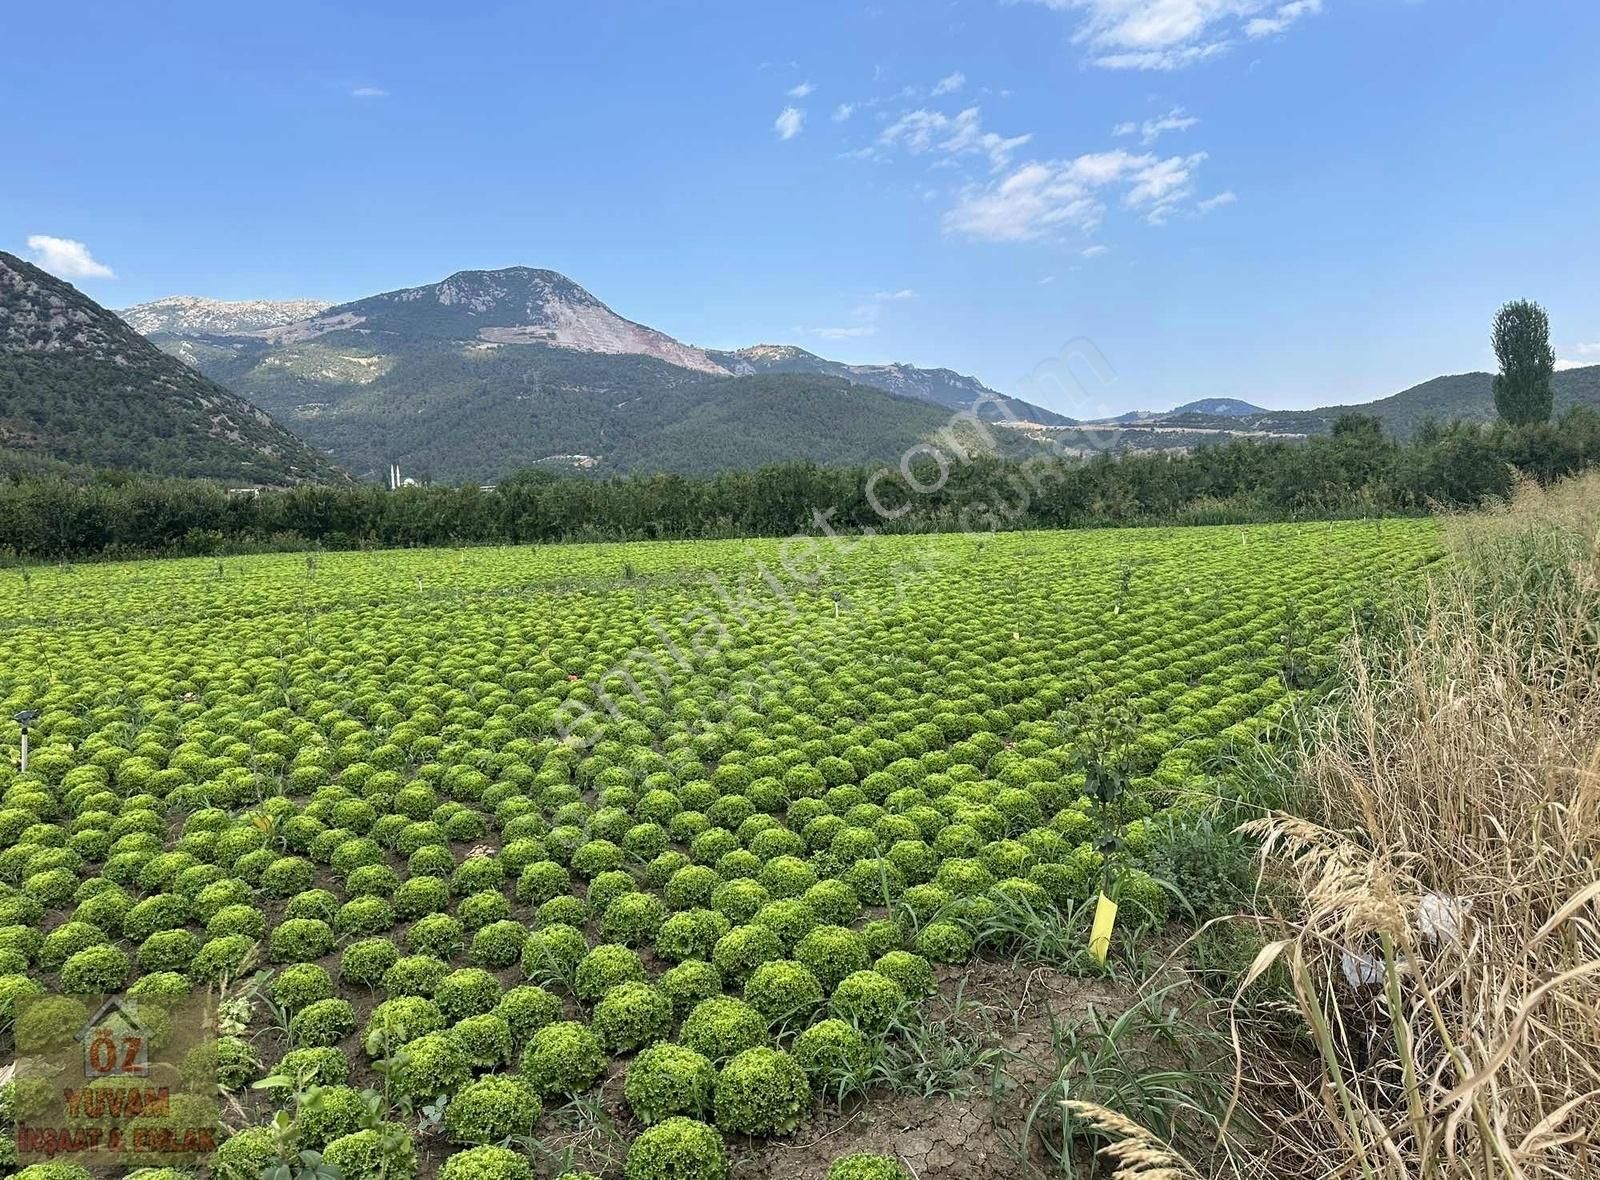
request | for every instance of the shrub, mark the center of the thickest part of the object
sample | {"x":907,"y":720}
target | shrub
{"x":492,"y":1109}
{"x":95,"y":970}
{"x":831,"y":953}
{"x":469,"y":991}
{"x":667,"y":1080}
{"x":867,"y":1000}
{"x":604,"y":968}
{"x":721,"y":1027}
{"x":301,"y":984}
{"x":688,"y":983}
{"x":300,"y":940}
{"x":563,"y":1058}
{"x":323,"y":1022}
{"x":862,"y":1166}
{"x":486,"y":1163}
{"x":782,"y":991}
{"x":630,"y":1016}
{"x":677,"y":1149}
{"x":526,"y":1009}
{"x":376,"y":1153}
{"x":832,"y":1050}
{"x":485,"y":1039}
{"x":364,"y":963}
{"x":432,"y":1064}
{"x":762,"y":1092}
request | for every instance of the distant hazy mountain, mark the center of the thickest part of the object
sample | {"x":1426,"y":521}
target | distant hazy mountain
{"x":189,"y":315}
{"x":1227,"y":407}
{"x":78,"y":385}
{"x":490,"y":371}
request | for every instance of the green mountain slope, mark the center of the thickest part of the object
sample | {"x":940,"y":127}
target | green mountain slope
{"x":79,"y":386}
{"x":490,"y":372}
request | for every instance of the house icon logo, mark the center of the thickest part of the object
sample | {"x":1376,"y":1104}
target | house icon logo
{"x":115,"y":1043}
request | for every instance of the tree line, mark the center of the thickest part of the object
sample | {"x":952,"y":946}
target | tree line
{"x":1355,"y":471}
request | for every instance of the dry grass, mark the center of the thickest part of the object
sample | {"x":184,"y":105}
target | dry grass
{"x":1444,"y":965}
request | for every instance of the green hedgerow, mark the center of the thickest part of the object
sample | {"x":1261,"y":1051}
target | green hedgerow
{"x":485,"y":1039}
{"x":552,"y":954}
{"x":868,"y":1000}
{"x":563,"y":1058}
{"x":431,"y":1064}
{"x":912,"y":972}
{"x":831,"y":953}
{"x":690,"y":934}
{"x":394,"y":1022}
{"x":499,"y":944}
{"x":300,"y":940}
{"x":418,"y":896}
{"x":95,"y":970}
{"x":486,"y":1163}
{"x":667,"y":1080}
{"x":603,"y":968}
{"x":469,"y":991}
{"x":414,"y":975}
{"x":320,"y":1065}
{"x":944,"y":942}
{"x":364,"y":963}
{"x":439,"y":935}
{"x":783,"y":991}
{"x":385,"y":1152}
{"x":491,"y":1109}
{"x":526,"y":1009}
{"x":831,"y":1051}
{"x":762,"y":1092}
{"x":300,"y":984}
{"x":677,"y":1148}
{"x":721,"y":1027}
{"x":863,"y":1166}
{"x":633,"y":919}
{"x":688,"y":983}
{"x":322,"y":1022}
{"x":743,"y":949}
{"x":630,"y":1016}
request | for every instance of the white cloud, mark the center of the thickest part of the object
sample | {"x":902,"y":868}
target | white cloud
{"x":368,"y":92}
{"x":1047,"y":280}
{"x":804,"y":90}
{"x":1171,"y":34}
{"x":1585,"y":355}
{"x":949,"y":84}
{"x":921,"y":131}
{"x":1094,"y":251}
{"x":851,"y":333}
{"x":1153,"y":129}
{"x":66,"y":258}
{"x":1282,"y":18}
{"x":1587,"y":349}
{"x":1041,"y":198}
{"x":1226,"y":197}
{"x":789,"y":122}
{"x":843,"y":111}
{"x":894,"y":296}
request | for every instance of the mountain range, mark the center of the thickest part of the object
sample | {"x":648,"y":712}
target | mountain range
{"x":488,"y":372}
{"x":78,"y":386}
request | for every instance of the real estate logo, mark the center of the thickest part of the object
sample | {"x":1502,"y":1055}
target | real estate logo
{"x":113,"y":1081}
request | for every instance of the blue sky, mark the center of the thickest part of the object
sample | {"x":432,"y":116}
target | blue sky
{"x":1296,"y":202}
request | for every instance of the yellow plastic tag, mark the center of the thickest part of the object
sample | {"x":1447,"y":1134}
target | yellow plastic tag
{"x":1105,"y":919}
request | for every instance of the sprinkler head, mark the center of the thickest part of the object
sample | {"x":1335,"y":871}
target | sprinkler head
{"x":26,"y":718}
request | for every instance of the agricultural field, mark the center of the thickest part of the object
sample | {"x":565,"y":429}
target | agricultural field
{"x":479,"y":846}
